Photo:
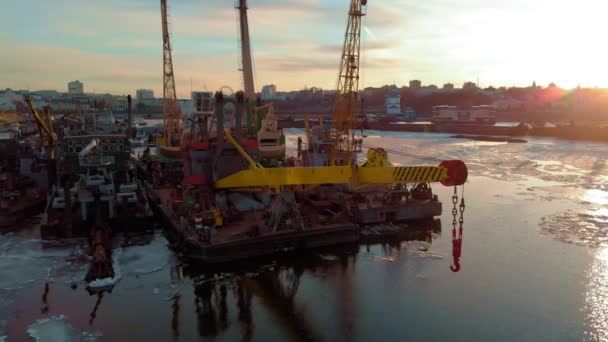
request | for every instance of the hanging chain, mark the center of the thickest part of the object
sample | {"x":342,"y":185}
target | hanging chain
{"x":462,"y":207}
{"x":457,"y":239}
{"x":454,"y":209}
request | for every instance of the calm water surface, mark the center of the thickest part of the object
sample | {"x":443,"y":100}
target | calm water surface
{"x":534,"y":267}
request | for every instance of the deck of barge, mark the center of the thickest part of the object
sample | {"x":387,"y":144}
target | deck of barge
{"x":235,"y":241}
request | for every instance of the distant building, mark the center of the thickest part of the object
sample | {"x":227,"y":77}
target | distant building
{"x":393,"y":102}
{"x":185,"y":107}
{"x":119,"y":103}
{"x":269,"y":92}
{"x":202,"y":102}
{"x":48,"y":94}
{"x":469,"y":86}
{"x":415,"y":84}
{"x":75,"y":87}
{"x":448,"y":86}
{"x":144,"y":94}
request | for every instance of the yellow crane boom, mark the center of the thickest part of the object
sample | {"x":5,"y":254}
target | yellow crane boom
{"x":451,"y":172}
{"x":42,"y":126}
{"x":352,"y":175}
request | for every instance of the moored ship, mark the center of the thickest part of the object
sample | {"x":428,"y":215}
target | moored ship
{"x":474,"y":115}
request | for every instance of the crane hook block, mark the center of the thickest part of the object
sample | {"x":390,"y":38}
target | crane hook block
{"x":457,"y":172}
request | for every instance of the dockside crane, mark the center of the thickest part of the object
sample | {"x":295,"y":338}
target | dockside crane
{"x":171,"y":111}
{"x":48,"y":138}
{"x":347,"y":89}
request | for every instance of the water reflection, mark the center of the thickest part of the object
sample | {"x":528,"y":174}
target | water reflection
{"x":45,"y":298}
{"x":274,"y":283}
{"x":596,"y":297}
{"x":93,"y":313}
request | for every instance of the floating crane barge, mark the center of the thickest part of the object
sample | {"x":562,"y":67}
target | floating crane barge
{"x":220,"y":204}
{"x":225,"y":206}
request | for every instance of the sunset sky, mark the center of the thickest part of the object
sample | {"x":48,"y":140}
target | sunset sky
{"x":115,"y":46}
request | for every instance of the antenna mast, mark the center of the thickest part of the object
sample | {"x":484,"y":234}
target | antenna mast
{"x":246,"y":50}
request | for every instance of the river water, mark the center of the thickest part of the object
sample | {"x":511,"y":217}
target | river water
{"x":534,"y":266}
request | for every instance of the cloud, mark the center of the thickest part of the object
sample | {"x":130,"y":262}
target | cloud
{"x":116,"y":45}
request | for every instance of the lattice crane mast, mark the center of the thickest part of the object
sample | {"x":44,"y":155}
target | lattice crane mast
{"x":48,"y":138}
{"x":348,"y":80}
{"x":171,"y":111}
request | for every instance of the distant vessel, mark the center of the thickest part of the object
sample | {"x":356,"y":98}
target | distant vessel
{"x":140,"y":139}
{"x":481,"y":115}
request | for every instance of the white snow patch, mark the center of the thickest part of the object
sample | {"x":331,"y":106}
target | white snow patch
{"x":53,"y":329}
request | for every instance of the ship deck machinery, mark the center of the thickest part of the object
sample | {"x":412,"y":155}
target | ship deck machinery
{"x":230,"y":207}
{"x":103,"y":185}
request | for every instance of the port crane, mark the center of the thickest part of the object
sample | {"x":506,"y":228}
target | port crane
{"x":376,"y":171}
{"x":171,"y":111}
{"x":348,"y":82}
{"x":48,"y":137}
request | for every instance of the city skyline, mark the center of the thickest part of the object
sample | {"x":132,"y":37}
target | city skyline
{"x":116,"y":48}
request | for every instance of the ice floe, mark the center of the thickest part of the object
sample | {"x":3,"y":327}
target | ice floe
{"x":587,"y":228}
{"x":53,"y":329}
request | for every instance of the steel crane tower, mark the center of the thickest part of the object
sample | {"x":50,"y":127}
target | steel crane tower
{"x":246,"y":63}
{"x":348,"y":78}
{"x":171,"y":111}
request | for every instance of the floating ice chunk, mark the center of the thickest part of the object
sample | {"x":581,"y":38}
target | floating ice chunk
{"x":156,"y":290}
{"x":146,"y":259}
{"x":328,"y":257}
{"x":53,"y":329}
{"x":429,"y":255}
{"x":385,"y":258}
{"x":91,"y":336}
{"x":105,"y":282}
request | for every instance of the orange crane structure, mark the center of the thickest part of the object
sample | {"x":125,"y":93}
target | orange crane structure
{"x":171,"y":111}
{"x":347,"y":90}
